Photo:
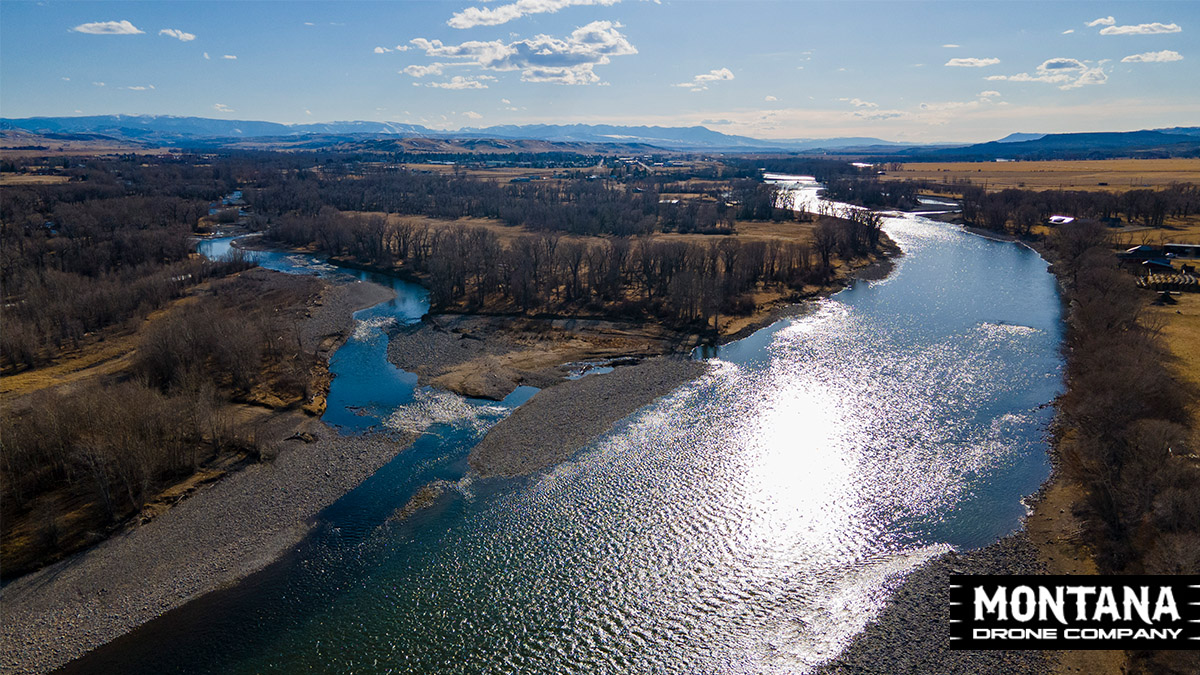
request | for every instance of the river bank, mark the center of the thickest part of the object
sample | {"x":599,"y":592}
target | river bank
{"x":556,"y":422}
{"x":912,"y":634}
{"x":215,"y":537}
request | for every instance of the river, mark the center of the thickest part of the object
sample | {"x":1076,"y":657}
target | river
{"x":752,"y":521}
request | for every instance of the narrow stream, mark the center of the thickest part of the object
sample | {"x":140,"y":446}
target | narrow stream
{"x":752,"y":521}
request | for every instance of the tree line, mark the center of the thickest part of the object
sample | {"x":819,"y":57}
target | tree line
{"x":1017,"y":211}
{"x":1124,"y":425}
{"x":686,"y":282}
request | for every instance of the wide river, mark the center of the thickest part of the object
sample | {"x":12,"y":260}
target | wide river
{"x":752,"y":521}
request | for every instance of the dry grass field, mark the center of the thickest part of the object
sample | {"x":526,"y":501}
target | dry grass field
{"x":1181,"y":330}
{"x":31,"y":179}
{"x":747,"y":230}
{"x":1113,"y":175}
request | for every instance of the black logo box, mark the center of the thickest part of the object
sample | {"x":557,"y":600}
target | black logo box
{"x":967,"y":631}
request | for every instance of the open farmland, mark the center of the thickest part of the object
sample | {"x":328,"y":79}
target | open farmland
{"x":1112,"y":175}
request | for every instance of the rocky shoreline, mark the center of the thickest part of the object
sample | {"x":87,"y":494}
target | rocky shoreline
{"x":912,"y":634}
{"x":556,"y":422}
{"x":217,"y":536}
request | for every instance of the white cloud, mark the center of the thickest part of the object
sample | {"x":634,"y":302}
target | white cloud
{"x":972,"y":62}
{"x":108,"y":28}
{"x":990,"y":93}
{"x":859,"y":103}
{"x":221,"y":107}
{"x":472,"y":115}
{"x":308,"y":112}
{"x":951,"y":46}
{"x":422,"y":71}
{"x":700,"y":82}
{"x":1153,"y":57}
{"x":460,"y":82}
{"x":482,"y":16}
{"x":177,"y":34}
{"x":98,"y":84}
{"x":382,"y":50}
{"x":206,"y":56}
{"x":506,"y":101}
{"x":139,"y":87}
{"x":231,"y":57}
{"x":1106,"y":21}
{"x":401,"y":48}
{"x":1066,"y":73}
{"x":1143,"y":29}
{"x":770,"y":99}
{"x":1061,"y":64}
{"x":1068,"y":31}
{"x":65,"y":79}
{"x":541,"y":58}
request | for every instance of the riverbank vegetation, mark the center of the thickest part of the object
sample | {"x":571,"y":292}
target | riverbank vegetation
{"x":684,"y":282}
{"x":123,"y":352}
{"x":77,"y":461}
{"x":1125,"y":428}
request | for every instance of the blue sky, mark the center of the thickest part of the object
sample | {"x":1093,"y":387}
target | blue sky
{"x":916,"y":71}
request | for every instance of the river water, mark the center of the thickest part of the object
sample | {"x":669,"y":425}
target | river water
{"x":752,"y":521}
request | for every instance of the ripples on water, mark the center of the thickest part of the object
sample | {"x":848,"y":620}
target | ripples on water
{"x":752,"y":521}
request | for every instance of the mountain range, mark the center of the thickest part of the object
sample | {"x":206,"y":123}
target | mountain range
{"x":167,"y":129}
{"x":200,"y":131}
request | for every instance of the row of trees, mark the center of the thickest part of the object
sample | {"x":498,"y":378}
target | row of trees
{"x":579,"y":206}
{"x":532,"y":273}
{"x":1017,"y":211}
{"x":1124,"y":429}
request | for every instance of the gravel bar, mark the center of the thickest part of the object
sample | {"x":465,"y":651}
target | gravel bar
{"x":912,"y":634}
{"x":559,"y":420}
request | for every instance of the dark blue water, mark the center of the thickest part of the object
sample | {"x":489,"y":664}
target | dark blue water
{"x":752,"y":521}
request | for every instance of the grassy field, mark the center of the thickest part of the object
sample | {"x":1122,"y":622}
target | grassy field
{"x":1181,"y":330}
{"x":747,"y":230}
{"x":31,"y":179}
{"x":1113,"y":175}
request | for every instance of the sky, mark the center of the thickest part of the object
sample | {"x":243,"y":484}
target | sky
{"x":965,"y":71}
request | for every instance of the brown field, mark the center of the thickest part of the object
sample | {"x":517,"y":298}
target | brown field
{"x":1181,"y":330}
{"x":500,"y":173}
{"x":1177,"y":231}
{"x":1119,"y":174}
{"x":31,"y":179}
{"x":747,"y":230}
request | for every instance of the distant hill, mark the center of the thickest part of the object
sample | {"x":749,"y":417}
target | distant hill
{"x":1105,"y":145}
{"x":1019,"y":137}
{"x":203,"y":132}
{"x":171,"y":130}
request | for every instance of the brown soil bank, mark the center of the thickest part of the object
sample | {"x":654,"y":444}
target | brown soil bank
{"x":489,"y":356}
